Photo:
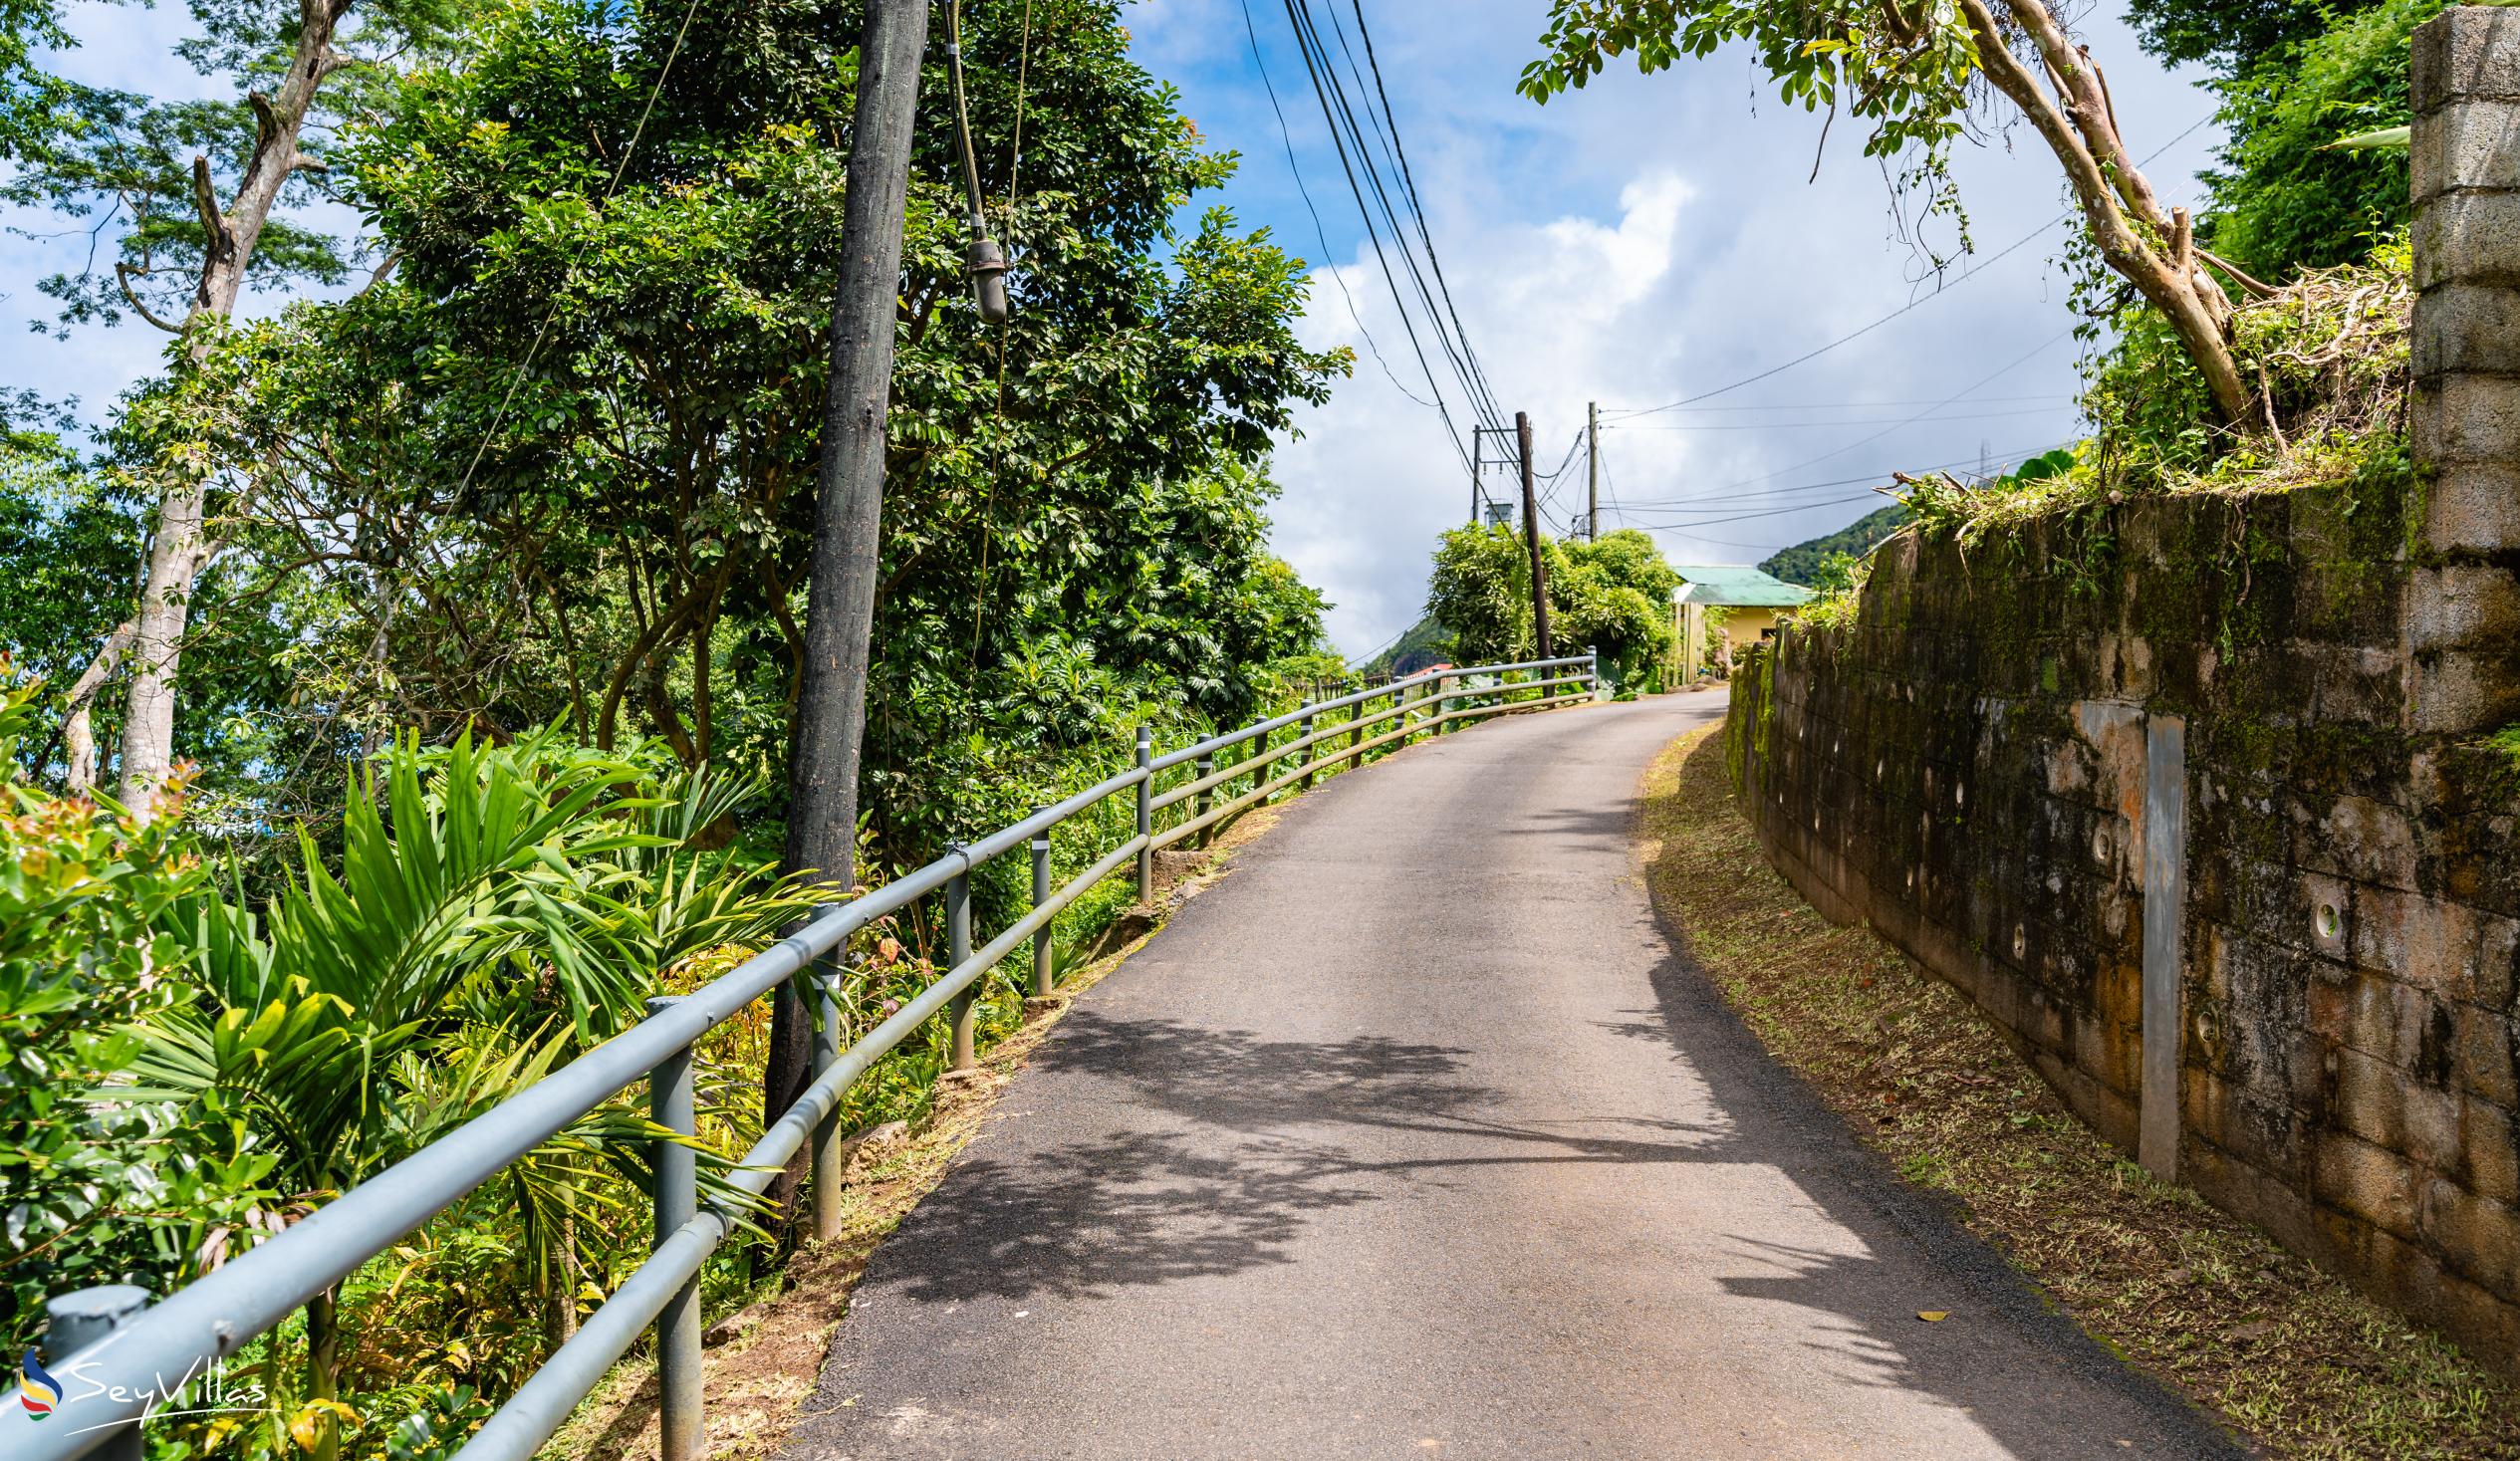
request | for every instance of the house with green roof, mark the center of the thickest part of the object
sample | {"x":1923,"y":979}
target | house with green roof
{"x":1724,"y":608}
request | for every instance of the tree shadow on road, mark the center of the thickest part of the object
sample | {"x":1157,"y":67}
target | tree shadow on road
{"x":1251,"y":1138}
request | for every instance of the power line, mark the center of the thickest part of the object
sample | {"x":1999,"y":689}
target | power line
{"x":1322,"y":233}
{"x":1840,"y":406}
{"x":1872,"y":477}
{"x":1972,"y":272}
{"x":1769,"y":512}
{"x":2049,"y":342}
{"x":1338,"y":113}
{"x":637,"y":132}
{"x":1843,"y":421}
{"x":1451,"y":434}
{"x":1564,"y":461}
{"x":1408,"y":178}
{"x":1678,"y":505}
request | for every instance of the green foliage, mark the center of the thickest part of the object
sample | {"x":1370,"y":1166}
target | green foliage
{"x":1074,"y":504}
{"x":2506,"y":742}
{"x":2332,"y":352}
{"x":94,"y":1190}
{"x":555,"y":469}
{"x":30,"y":97}
{"x":2285,"y":200}
{"x":120,"y":162}
{"x":2232,"y":34}
{"x":1422,"y":643}
{"x":1613,"y":593}
{"x":1805,"y":563}
{"x":72,"y":543}
{"x":494,"y":907}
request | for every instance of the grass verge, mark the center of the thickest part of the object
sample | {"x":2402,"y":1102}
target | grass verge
{"x":2284,"y":1354}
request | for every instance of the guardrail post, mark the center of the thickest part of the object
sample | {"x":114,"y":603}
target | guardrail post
{"x":1593,"y":666}
{"x":1355,"y":734}
{"x":1045,"y":948}
{"x":1308,"y":754}
{"x":1145,"y":814}
{"x":1443,"y":707}
{"x":966,"y":1005}
{"x":83,"y":1320}
{"x":831,"y":1158}
{"x":677,"y":1194}
{"x":1203,"y":768}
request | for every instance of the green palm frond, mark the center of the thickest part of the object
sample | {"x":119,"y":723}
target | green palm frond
{"x":2396,"y":138}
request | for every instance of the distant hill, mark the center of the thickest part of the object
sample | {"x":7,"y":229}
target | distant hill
{"x":1426,"y":642}
{"x":1801,"y":562}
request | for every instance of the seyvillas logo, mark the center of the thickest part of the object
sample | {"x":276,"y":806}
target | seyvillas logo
{"x":202,"y":1389}
{"x":37,"y":1392}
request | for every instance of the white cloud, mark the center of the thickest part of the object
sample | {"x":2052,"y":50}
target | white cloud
{"x":1644,"y":240}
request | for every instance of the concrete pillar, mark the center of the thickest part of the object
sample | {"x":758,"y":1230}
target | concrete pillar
{"x":2463,"y":608}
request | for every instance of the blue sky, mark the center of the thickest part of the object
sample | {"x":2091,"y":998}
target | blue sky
{"x":1646,"y":239}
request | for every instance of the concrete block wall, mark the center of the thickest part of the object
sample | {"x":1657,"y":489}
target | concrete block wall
{"x":2194,"y":798}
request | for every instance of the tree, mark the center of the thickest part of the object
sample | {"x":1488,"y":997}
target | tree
{"x":182,"y":259}
{"x":2285,"y":200}
{"x":1913,"y":73}
{"x":558,"y":464}
{"x":93,"y":1192}
{"x":2235,"y":35}
{"x":30,"y":97}
{"x":1805,"y":562}
{"x":1612,"y":594}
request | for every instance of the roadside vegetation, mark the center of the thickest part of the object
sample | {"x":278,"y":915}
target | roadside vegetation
{"x":1612,"y":594}
{"x":398,"y":682}
{"x":2285,"y":1355}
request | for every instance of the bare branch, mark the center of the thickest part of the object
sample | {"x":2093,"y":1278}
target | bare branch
{"x":266,"y":121}
{"x":208,"y":202}
{"x":122,"y":275}
{"x":76,"y":734}
{"x":384,"y":270}
{"x":2257,"y":286}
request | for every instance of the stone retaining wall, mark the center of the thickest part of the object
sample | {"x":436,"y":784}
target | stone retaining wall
{"x":2196,"y":797}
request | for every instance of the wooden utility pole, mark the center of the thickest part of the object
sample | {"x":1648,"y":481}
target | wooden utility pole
{"x":1478,"y":496}
{"x":1592,"y":471}
{"x":831,"y":718}
{"x":1531,"y":540}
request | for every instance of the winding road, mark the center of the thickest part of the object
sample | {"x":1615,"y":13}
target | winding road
{"x":1414,"y":1137}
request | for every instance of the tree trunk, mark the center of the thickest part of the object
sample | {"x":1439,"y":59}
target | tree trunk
{"x":847,"y":513}
{"x":177,"y":549}
{"x":324,"y":1365}
{"x":561,"y":1278}
{"x":2080,"y":126}
{"x":79,"y":739}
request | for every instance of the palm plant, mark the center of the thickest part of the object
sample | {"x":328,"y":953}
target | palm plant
{"x":497,"y":908}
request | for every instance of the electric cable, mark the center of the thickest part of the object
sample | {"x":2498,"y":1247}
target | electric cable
{"x":1339,"y":114}
{"x":1972,"y":272}
{"x":1286,"y":137}
{"x":541,"y":330}
{"x":1875,"y":477}
{"x":1408,"y":180}
{"x":1336,"y":110}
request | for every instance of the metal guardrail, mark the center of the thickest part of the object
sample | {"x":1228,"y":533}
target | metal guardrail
{"x":125,"y":1358}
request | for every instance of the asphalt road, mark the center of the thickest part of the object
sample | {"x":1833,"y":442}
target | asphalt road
{"x":1413,"y":1137}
